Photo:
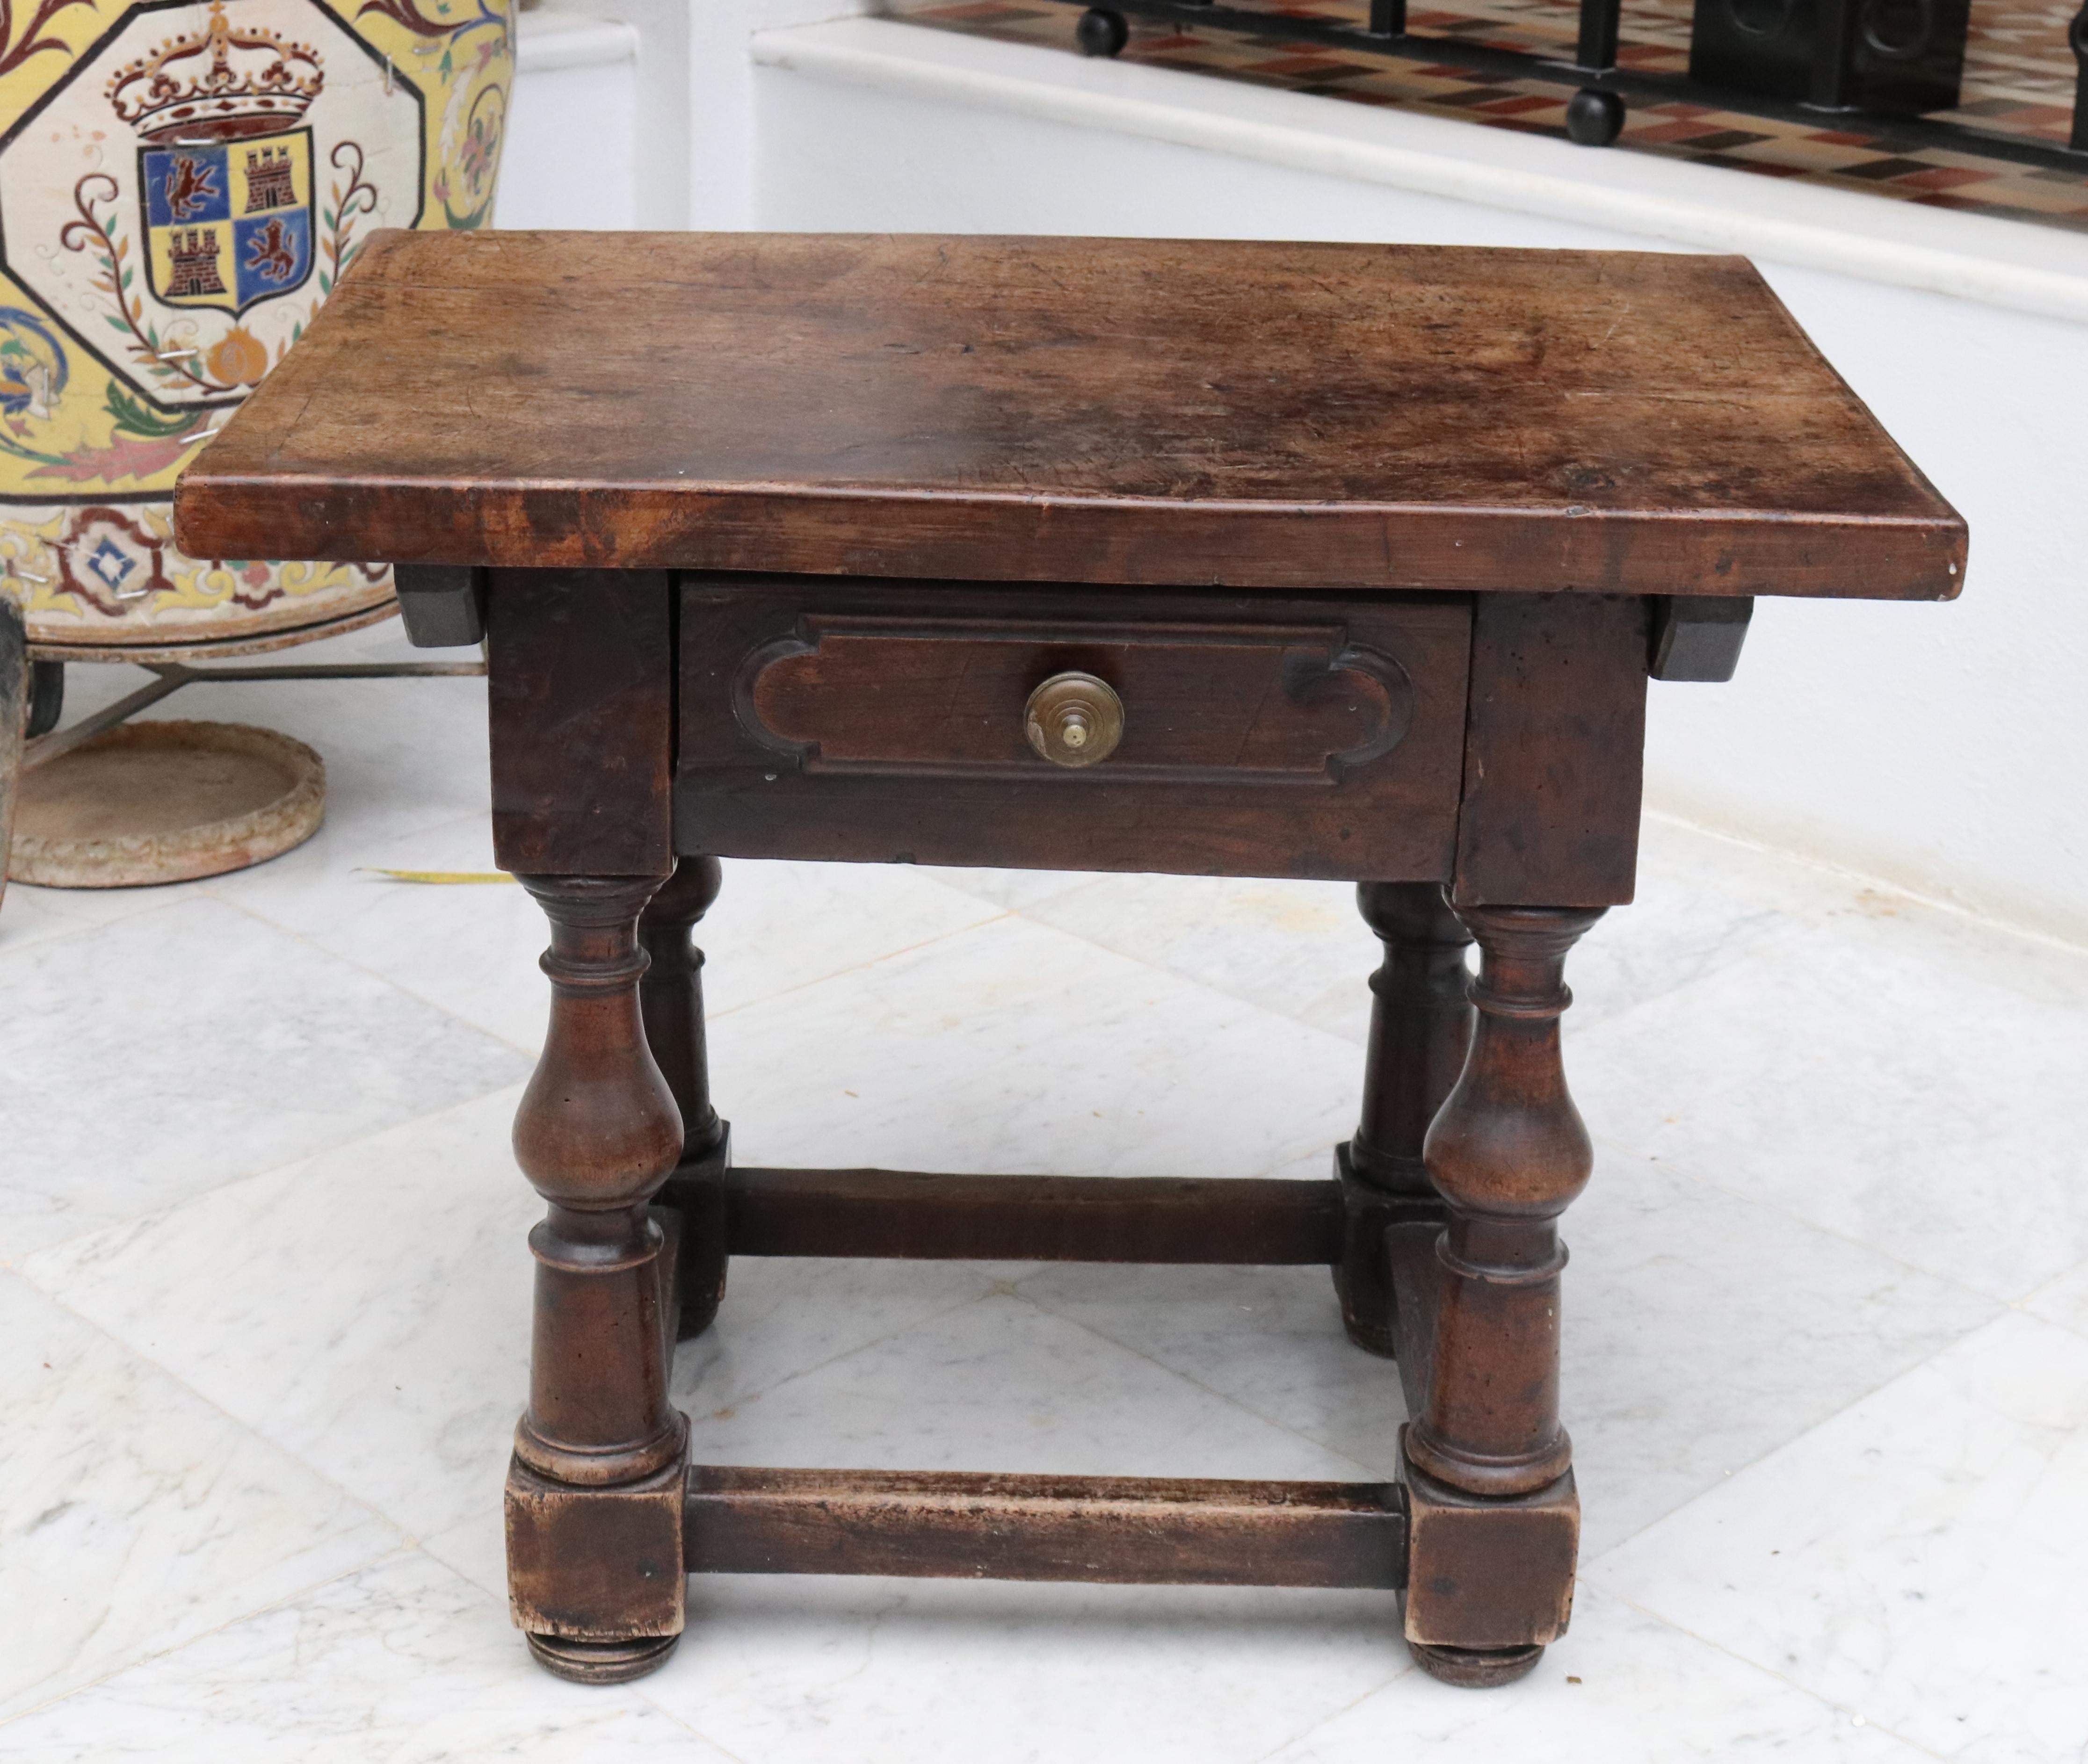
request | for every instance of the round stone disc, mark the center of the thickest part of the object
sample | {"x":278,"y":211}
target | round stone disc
{"x":164,"y":802}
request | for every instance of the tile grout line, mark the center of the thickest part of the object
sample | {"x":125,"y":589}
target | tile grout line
{"x":1770,"y":1672}
{"x":408,"y":1546}
{"x":855,"y":967}
{"x":1190,"y":1379}
{"x":790,"y":1378}
{"x":1845,"y":872}
{"x":1747,"y":1198}
{"x":1825,"y":1420}
{"x":1305,"y":1733}
{"x":531,"y":1054}
{"x":12,"y":1264}
{"x":1750,"y":1199}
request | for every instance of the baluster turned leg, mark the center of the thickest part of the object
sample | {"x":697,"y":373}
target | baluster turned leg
{"x":671,"y":997}
{"x":1495,"y":1521}
{"x":594,"y":1494}
{"x":1420,"y":1024}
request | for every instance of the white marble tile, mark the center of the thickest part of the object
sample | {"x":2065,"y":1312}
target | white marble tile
{"x":1917,"y":1560}
{"x":1619,"y":1688}
{"x":380,"y":1325}
{"x":808,"y":1669}
{"x":171,"y":1051}
{"x":1701,"y":1330}
{"x":1296,"y":947}
{"x":1301,"y":948}
{"x":2063,"y":1300}
{"x":1000,"y":1384}
{"x":1268,"y":1338}
{"x":1686,"y":1356}
{"x":472,"y":948}
{"x":1011,"y":1047}
{"x":134,"y":1515}
{"x":402,"y":1662}
{"x":784,"y":1316}
{"x":1011,"y":890}
{"x":1879,"y":1086}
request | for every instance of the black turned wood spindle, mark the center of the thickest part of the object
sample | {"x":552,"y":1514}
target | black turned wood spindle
{"x":596,"y":1134}
{"x":1421,"y":1026}
{"x":671,"y":998}
{"x":1509,"y":1153}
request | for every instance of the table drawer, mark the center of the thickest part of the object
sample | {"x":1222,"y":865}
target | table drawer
{"x":1268,"y":735}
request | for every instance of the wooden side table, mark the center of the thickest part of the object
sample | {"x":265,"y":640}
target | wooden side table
{"x":1243,"y":559}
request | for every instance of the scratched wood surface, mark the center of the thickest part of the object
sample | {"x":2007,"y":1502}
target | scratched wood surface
{"x":1131,"y":412}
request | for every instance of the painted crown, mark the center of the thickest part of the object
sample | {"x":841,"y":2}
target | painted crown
{"x":217,"y":82}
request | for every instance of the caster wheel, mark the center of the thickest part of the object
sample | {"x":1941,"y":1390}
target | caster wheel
{"x":600,"y":1662}
{"x":1101,"y":32}
{"x":1594,"y":118}
{"x":1475,"y":1669}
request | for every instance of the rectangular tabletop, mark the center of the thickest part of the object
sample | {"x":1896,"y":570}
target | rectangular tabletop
{"x":1122,"y":411}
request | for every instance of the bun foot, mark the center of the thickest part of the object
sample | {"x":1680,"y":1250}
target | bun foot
{"x":601,"y":1663}
{"x":1470,"y":1668}
{"x":1473,"y":1668}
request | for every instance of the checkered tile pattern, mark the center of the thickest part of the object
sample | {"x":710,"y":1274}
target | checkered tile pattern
{"x":2018,"y":79}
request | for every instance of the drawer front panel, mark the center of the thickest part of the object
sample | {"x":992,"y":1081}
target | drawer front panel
{"x":885,"y":721}
{"x":1211,"y":701}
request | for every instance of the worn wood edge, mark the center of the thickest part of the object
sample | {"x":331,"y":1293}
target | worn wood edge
{"x":911,"y":1215}
{"x":733,"y":528}
{"x":1124,"y":1530}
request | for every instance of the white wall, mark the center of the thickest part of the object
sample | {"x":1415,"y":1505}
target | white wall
{"x":572,"y":154}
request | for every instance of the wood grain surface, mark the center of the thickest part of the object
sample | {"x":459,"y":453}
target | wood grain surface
{"x":1123,"y":1529}
{"x":1130,"y":412}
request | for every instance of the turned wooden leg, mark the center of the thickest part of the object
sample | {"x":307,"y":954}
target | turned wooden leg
{"x":671,"y":997}
{"x":1496,"y":1525}
{"x":1420,"y":1025}
{"x":594,"y":1494}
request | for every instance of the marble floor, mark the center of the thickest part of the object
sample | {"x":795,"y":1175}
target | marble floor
{"x":263,"y":1295}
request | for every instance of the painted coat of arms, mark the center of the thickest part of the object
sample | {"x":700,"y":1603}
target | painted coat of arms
{"x":182,"y":183}
{"x":224,"y":180}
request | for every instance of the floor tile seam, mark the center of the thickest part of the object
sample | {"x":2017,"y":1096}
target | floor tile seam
{"x":406,"y":1533}
{"x":1297,"y":1017}
{"x":790,"y":1378}
{"x":14,"y":1264}
{"x":1844,"y":873}
{"x":2005,"y":1300}
{"x":1362,"y":1469}
{"x":388,"y":981}
{"x":74,"y":929}
{"x":856,"y":968}
{"x":1305,"y":1733}
{"x":643,"y":1694}
{"x":406,"y":1547}
{"x":1749,"y":1198}
{"x":1086,"y":879}
{"x":1781,"y":1678}
{"x":1829,"y":1419}
{"x":2022,"y":1307}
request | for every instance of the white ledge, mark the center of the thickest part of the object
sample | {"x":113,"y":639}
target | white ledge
{"x":547,"y":41}
{"x":2010,"y":263}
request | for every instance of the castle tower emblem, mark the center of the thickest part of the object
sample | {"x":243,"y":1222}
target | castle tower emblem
{"x":193,"y":257}
{"x":225,"y":162}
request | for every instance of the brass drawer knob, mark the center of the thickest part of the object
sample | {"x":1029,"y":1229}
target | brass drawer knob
{"x":1074,"y":720}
